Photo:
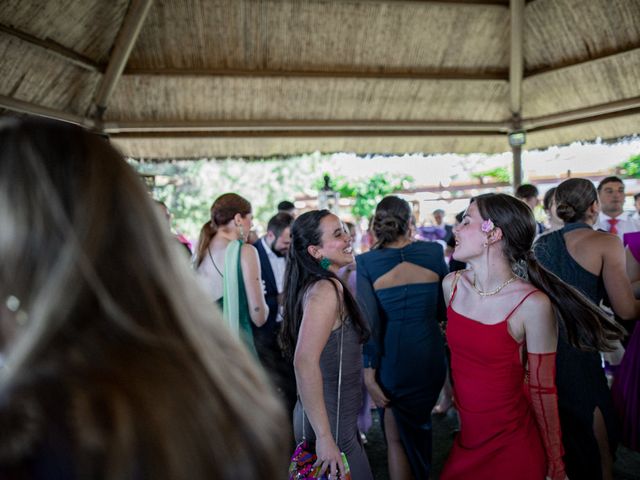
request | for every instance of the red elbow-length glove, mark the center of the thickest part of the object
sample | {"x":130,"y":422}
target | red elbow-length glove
{"x":544,"y":400}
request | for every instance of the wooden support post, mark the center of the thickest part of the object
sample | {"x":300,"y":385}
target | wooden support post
{"x":516,"y":72}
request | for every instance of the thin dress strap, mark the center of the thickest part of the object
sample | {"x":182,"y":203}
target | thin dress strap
{"x":520,"y":303}
{"x":455,"y":285}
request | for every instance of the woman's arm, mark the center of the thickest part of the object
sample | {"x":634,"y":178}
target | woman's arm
{"x":320,"y":317}
{"x":541,"y":336}
{"x":616,"y":281}
{"x":366,"y":296}
{"x":443,"y":271}
{"x":250,"y":264}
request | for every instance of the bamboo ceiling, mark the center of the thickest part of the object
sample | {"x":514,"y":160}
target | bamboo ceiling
{"x":216,"y":78}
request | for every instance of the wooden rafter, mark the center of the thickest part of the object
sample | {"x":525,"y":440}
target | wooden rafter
{"x":293,"y":133}
{"x":21,"y":106}
{"x":581,"y":115}
{"x":304,"y":127}
{"x":55,"y":49}
{"x":503,"y":3}
{"x":586,"y":61}
{"x":450,"y":74}
{"x":125,"y":41}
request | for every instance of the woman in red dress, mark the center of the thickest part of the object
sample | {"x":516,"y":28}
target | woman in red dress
{"x":502,"y":332}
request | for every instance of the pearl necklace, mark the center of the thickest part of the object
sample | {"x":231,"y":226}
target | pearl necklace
{"x":495,"y":290}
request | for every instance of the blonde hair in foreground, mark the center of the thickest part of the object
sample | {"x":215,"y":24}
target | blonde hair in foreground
{"x":145,"y":376}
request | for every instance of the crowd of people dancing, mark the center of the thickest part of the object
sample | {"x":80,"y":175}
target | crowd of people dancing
{"x":120,"y":358}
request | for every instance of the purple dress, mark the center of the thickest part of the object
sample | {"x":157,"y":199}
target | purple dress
{"x":626,"y":385}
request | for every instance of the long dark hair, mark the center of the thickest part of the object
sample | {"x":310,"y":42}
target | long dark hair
{"x":302,"y":272}
{"x":224,"y":208}
{"x":391,"y":221}
{"x":587,"y":327}
{"x":118,"y":351}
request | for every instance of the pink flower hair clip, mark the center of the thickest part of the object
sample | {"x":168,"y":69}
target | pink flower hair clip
{"x":487,"y":226}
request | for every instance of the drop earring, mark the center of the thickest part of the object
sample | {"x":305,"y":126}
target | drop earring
{"x":325,"y":263}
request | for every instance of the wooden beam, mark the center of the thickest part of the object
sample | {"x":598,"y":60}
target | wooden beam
{"x":502,"y":3}
{"x":21,"y":106}
{"x":621,"y":107}
{"x":293,"y":133}
{"x":125,"y":41}
{"x":53,"y":48}
{"x":578,"y":121}
{"x":574,"y":63}
{"x":311,"y":126}
{"x":458,"y":74}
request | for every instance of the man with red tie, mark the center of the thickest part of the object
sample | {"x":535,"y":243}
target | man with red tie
{"x":612,"y":217}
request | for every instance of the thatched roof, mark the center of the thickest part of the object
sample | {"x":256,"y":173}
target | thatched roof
{"x":191,"y":78}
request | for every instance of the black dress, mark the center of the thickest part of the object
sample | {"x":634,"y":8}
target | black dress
{"x":581,"y":382}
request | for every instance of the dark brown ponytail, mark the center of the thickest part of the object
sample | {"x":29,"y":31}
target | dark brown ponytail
{"x":587,"y":327}
{"x":207,"y":232}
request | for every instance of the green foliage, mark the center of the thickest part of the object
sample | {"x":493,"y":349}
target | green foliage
{"x":180,"y":186}
{"x":367,"y":192}
{"x":631,"y":167}
{"x":499,"y":174}
{"x":189,"y":187}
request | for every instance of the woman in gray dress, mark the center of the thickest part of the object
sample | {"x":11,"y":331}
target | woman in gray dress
{"x":323,"y":330}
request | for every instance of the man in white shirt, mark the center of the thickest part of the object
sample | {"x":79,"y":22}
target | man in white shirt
{"x":612,"y":218}
{"x":272,"y":251}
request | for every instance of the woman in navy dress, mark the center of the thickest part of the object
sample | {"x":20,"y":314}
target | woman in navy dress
{"x":399,"y":288}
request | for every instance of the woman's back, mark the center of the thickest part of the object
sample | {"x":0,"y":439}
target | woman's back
{"x":399,"y":276}
{"x":211,"y":268}
{"x":401,"y":290}
{"x":574,"y":254}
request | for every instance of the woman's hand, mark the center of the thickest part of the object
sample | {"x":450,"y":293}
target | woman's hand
{"x":377,"y":395}
{"x":329,"y":457}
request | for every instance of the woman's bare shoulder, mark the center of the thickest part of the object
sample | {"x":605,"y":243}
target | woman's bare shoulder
{"x":325,"y":286}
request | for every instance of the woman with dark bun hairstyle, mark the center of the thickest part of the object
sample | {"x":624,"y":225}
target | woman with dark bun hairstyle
{"x":399,"y":288}
{"x":115,"y":365}
{"x":592,"y":262}
{"x":323,"y":331}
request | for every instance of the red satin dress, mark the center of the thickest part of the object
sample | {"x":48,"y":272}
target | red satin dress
{"x":499,"y":437}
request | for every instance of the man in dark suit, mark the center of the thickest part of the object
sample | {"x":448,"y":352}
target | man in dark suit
{"x":272,"y":251}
